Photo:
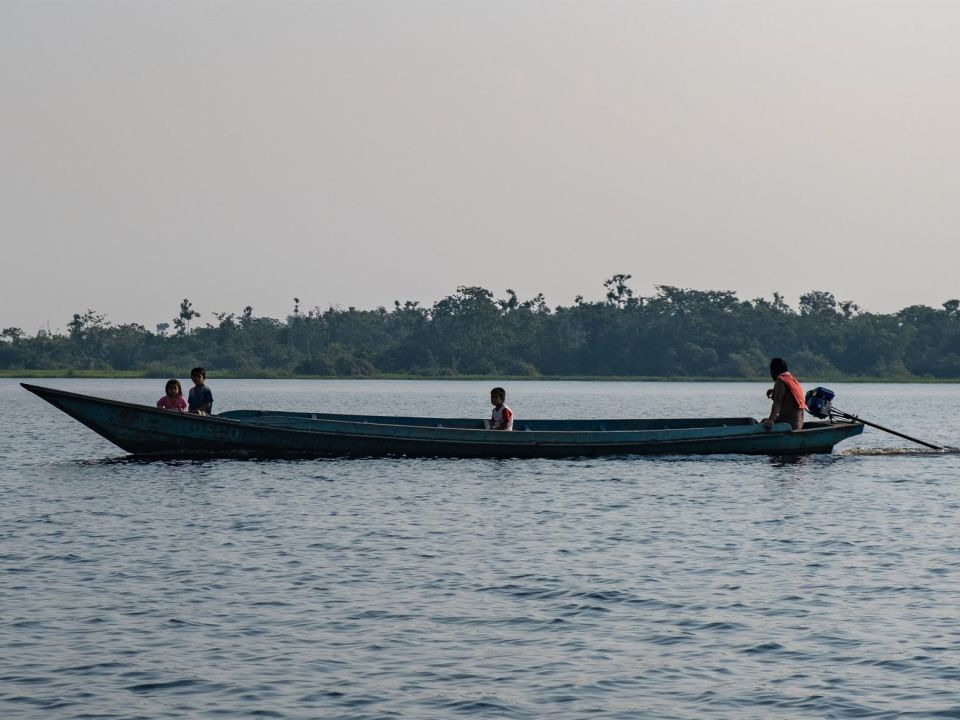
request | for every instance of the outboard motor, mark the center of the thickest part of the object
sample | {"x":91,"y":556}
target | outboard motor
{"x":820,"y":402}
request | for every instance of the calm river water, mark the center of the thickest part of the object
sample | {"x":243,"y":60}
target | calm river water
{"x":721,"y":587}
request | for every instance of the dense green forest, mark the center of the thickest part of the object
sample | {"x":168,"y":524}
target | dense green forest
{"x":676,"y":333}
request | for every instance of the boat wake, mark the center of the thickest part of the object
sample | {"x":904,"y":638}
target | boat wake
{"x":900,"y":451}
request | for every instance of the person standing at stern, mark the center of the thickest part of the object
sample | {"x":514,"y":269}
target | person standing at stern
{"x":502,"y":417}
{"x":200,"y":399}
{"x":787,"y":397}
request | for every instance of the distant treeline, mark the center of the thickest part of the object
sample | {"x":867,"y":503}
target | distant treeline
{"x":676,"y":333}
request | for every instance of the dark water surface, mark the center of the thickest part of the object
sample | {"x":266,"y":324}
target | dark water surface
{"x":722,"y":587}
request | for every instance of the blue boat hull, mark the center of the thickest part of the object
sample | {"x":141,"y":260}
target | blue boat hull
{"x":147,"y":431}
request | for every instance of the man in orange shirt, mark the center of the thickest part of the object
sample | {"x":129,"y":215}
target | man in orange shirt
{"x":787,"y":396}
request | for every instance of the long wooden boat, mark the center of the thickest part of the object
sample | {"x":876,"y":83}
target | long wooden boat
{"x":147,"y":431}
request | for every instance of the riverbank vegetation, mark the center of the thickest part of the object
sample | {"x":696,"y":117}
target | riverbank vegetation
{"x":676,"y":333}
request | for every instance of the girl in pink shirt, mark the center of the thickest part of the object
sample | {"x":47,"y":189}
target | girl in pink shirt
{"x":173,"y":399}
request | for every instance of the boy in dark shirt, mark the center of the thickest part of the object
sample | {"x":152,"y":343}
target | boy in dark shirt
{"x":200,"y":400}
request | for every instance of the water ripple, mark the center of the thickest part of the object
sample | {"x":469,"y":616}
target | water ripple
{"x":733,"y":587}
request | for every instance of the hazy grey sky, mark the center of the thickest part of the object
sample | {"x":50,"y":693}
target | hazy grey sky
{"x":359,"y":152}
